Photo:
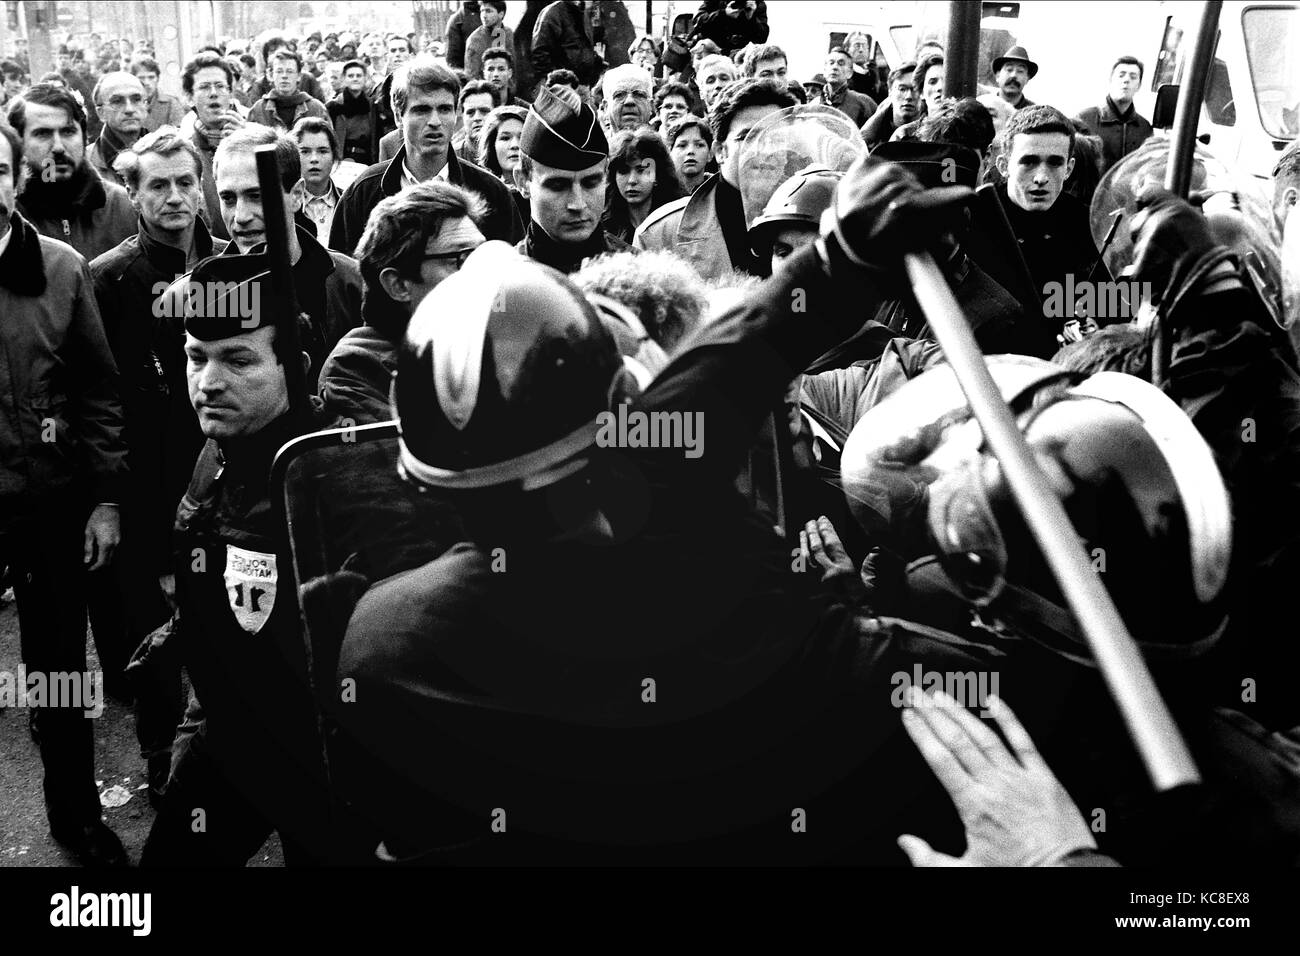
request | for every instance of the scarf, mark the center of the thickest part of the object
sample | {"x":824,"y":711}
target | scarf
{"x":212,"y":137}
{"x":79,"y":195}
{"x":22,"y":267}
{"x":110,"y":144}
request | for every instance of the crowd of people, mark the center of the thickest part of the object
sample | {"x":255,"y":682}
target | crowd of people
{"x":547,"y":639}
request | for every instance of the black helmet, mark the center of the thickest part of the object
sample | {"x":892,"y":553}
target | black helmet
{"x":800,"y":199}
{"x":1139,"y":483}
{"x":503,"y":373}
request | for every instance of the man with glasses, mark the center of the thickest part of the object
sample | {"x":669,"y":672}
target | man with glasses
{"x":902,"y":107}
{"x":208,"y":82}
{"x":285,"y":104}
{"x":120,"y":103}
{"x":413,"y":241}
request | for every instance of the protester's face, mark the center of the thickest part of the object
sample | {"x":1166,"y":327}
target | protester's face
{"x":567,"y":204}
{"x":1037,"y":169}
{"x":859,"y":51}
{"x":902,"y":95}
{"x":65,"y":61}
{"x":1124,"y":83}
{"x":284,"y":77}
{"x":248,"y":71}
{"x":13,"y":85}
{"x":374,"y":47}
{"x":774,"y":70}
{"x":933,"y":91}
{"x":53,"y":144}
{"x":354,"y":80}
{"x":170,"y":191}
{"x":690,"y":153}
{"x":646,"y":57}
{"x":322,"y":62}
{"x":507,"y":144}
{"x":236,"y":385}
{"x":349,"y":52}
{"x":149,"y":80}
{"x":671,"y":110}
{"x":211,"y":93}
{"x":637,"y":182}
{"x":122,"y":105}
{"x":729,"y":150}
{"x":477,"y":108}
{"x":629,"y":103}
{"x":714,"y":78}
{"x":838,"y":68}
{"x":429,"y":123}
{"x":10,"y":171}
{"x":399,"y":51}
{"x":317,"y":160}
{"x":241,"y":200}
{"x":790,"y":240}
{"x":444,"y":256}
{"x":490,"y":14}
{"x":497,"y":72}
{"x":1012,"y":79}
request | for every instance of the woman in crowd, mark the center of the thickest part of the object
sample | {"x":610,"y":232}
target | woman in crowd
{"x":642,"y":178}
{"x":499,"y":150}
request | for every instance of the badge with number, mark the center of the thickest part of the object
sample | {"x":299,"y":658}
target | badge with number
{"x":251,"y":578}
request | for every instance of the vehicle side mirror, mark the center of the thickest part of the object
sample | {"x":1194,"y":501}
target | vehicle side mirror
{"x":1162,"y":117}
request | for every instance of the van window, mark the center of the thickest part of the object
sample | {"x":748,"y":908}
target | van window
{"x":1166,"y":70}
{"x":1219,"y":104}
{"x":1271,"y":37}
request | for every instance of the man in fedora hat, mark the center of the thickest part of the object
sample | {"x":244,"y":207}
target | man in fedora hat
{"x":1012,"y":71}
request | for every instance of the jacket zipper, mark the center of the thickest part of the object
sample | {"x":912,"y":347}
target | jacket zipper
{"x":67,"y":231}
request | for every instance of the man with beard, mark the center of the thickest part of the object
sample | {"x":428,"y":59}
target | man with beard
{"x":1013,"y":71}
{"x":59,"y":382}
{"x":424,"y":96}
{"x":563,"y":158}
{"x":628,"y":91}
{"x":708,"y":228}
{"x":350,"y":112}
{"x":119,"y":101}
{"x":900,"y":110}
{"x":65,"y":198}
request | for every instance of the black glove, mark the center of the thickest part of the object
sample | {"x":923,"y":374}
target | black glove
{"x":1173,"y":245}
{"x":881,"y":212}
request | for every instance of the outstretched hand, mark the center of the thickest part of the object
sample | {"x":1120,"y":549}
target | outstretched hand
{"x":1015,"y":811}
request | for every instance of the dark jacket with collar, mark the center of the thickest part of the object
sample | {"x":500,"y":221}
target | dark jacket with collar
{"x":562,"y":39}
{"x":1120,"y":135}
{"x":567,"y":257}
{"x":162,"y":444}
{"x":385,"y":179}
{"x":356,"y":126}
{"x":88,"y":213}
{"x":56,"y":366}
{"x":857,"y":107}
{"x":382,"y":119}
{"x":265,"y":111}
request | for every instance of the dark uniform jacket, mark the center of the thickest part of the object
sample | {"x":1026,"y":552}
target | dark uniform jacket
{"x":57,"y":368}
{"x":565,"y":256}
{"x":385,"y":179}
{"x":162,"y":440}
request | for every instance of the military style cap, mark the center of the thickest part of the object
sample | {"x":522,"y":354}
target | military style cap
{"x":562,"y":131}
{"x":224,"y":296}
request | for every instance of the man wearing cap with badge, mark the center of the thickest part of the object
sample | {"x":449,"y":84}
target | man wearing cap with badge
{"x":563,"y":155}
{"x":1013,"y":71}
{"x":255,"y":764}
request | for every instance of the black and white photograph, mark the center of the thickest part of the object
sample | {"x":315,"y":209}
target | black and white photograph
{"x":738,"y":445}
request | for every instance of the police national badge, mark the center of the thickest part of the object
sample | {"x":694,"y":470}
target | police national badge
{"x":251,"y":578}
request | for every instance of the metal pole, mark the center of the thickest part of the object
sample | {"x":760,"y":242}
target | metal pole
{"x":1149,"y":722}
{"x":961,"y":55}
{"x":284,"y":296}
{"x":1191,"y":93}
